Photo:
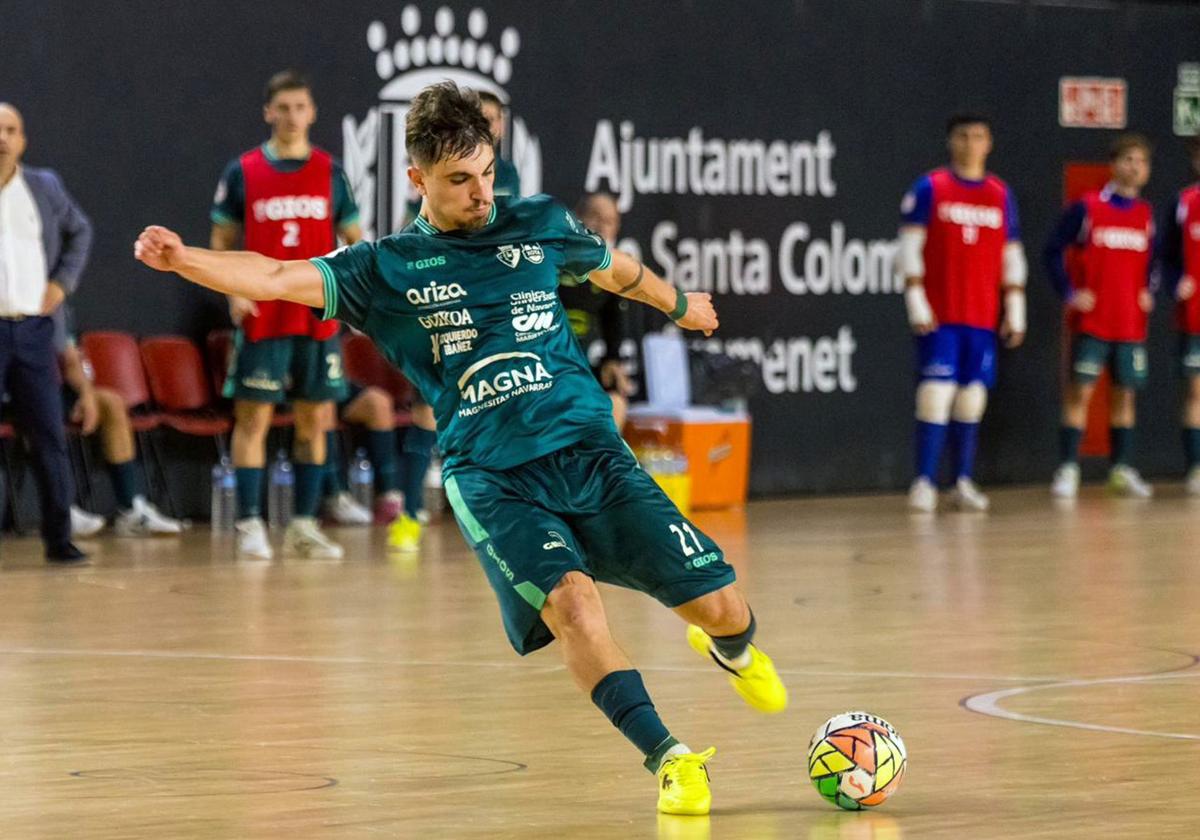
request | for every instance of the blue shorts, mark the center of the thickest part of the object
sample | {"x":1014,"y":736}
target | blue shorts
{"x":957,"y":354}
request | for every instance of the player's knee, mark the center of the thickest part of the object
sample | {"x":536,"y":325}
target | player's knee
{"x":253,"y":419}
{"x":422,"y":417}
{"x":573,"y":608}
{"x":723,"y":612}
{"x":313,"y":420}
{"x":112,"y":407}
{"x":970,"y":401}
{"x":379,"y":409}
{"x":934,"y":400}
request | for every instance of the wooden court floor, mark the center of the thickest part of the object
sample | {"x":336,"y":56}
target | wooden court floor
{"x":1041,"y":663}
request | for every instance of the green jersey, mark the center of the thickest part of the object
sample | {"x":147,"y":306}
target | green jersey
{"x":473,"y":319}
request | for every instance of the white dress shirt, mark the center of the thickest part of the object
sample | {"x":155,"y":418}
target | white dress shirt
{"x":22,"y":258}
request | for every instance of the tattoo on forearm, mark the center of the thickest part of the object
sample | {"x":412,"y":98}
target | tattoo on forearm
{"x":637,"y":281}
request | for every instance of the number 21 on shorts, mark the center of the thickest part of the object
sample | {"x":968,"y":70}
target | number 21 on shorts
{"x":688,"y":550}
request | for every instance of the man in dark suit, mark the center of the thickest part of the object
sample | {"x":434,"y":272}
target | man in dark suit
{"x":44,"y":242}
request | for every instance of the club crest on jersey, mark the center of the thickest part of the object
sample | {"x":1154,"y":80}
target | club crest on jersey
{"x":510,"y":255}
{"x":533,"y":252}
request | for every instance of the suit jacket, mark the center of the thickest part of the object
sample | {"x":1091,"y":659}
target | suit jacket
{"x":66,"y":231}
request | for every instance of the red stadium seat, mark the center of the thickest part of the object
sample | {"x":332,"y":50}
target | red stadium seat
{"x":117,"y":365}
{"x":366,"y":366}
{"x":181,"y":388}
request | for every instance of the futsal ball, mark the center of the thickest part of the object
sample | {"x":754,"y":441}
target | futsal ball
{"x":856,"y":760}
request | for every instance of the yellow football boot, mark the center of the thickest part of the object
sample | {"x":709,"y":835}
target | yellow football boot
{"x":683,"y":784}
{"x":404,"y":534}
{"x":757,"y":683}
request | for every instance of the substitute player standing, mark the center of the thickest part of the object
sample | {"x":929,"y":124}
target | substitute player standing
{"x":290,"y":200}
{"x":542,"y":486}
{"x":961,"y":253}
{"x":1181,"y":258}
{"x":1113,"y":230}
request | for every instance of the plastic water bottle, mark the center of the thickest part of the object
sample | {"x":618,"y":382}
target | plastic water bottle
{"x":280,"y":492}
{"x":224,"y":496}
{"x":433,"y":495}
{"x":362,"y":479}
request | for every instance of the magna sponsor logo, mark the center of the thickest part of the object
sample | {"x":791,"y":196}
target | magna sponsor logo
{"x":283,"y":207}
{"x":481,"y":387}
{"x":446,"y":318}
{"x":1121,"y":239}
{"x":972,"y":215}
{"x":435,"y":293}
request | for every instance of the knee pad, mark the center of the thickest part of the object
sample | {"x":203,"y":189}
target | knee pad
{"x":934,"y":399}
{"x":970,"y":402}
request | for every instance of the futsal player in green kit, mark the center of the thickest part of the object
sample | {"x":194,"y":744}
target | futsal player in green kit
{"x":543,"y":488}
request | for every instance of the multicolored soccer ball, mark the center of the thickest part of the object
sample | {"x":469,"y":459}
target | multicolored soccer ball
{"x":856,"y":760}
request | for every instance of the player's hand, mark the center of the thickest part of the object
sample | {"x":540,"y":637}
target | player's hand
{"x":700,"y":313}
{"x":159,"y":248}
{"x":1083,"y":300}
{"x":1011,"y":338}
{"x":1186,"y":288}
{"x":1146,"y":301}
{"x":614,"y":378}
{"x":86,"y":412}
{"x":925,"y":327}
{"x":239,"y":308}
{"x":53,"y":298}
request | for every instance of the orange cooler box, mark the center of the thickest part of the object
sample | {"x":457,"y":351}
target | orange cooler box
{"x":715,"y":443}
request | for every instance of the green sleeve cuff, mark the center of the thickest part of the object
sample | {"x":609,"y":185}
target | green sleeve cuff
{"x":219,"y":218}
{"x":330,"y":282}
{"x":350,"y":219}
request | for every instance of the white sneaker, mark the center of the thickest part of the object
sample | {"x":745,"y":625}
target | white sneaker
{"x":84,"y":524}
{"x":304,"y":539}
{"x":966,"y":495}
{"x":145,"y":520}
{"x":922,"y":495}
{"x":252,"y":539}
{"x":1193,"y":482}
{"x":1065,"y":484}
{"x":1124,"y":480}
{"x":343,"y":510}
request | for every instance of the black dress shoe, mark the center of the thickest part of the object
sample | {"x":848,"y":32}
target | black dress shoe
{"x":66,"y":555}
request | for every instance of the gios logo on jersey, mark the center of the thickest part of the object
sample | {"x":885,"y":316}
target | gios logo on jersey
{"x":971,"y":215}
{"x":287,"y":207}
{"x":496,"y":379}
{"x":408,"y":53}
{"x":1121,"y":239}
{"x":435,"y":293}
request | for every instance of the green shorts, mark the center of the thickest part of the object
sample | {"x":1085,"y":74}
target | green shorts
{"x":1189,"y":355}
{"x":590,"y":508}
{"x":278,"y":369}
{"x":1125,"y":361}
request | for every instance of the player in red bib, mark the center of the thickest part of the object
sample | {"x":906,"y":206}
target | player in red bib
{"x":1113,"y":233}
{"x":961,"y":255}
{"x":1181,"y":259}
{"x":289,"y":200}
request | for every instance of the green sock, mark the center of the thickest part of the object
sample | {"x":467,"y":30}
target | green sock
{"x":1121,"y":441}
{"x":622,"y":696}
{"x":249,"y":491}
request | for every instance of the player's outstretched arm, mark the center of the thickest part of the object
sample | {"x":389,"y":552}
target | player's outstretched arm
{"x":629,"y":278}
{"x":241,"y":273}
